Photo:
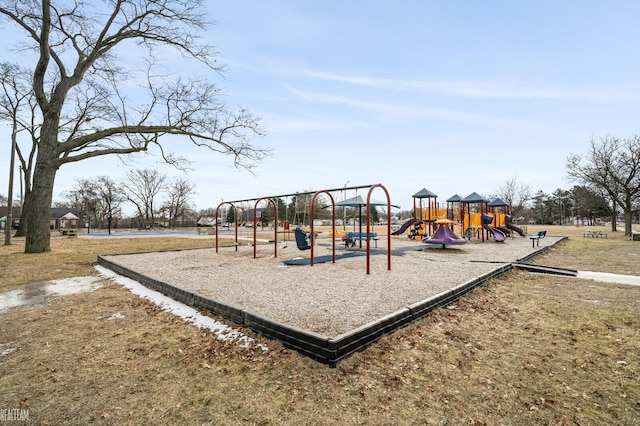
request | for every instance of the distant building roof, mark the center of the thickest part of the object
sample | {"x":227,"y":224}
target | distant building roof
{"x":68,"y":215}
{"x":15,"y":211}
{"x":59,"y":212}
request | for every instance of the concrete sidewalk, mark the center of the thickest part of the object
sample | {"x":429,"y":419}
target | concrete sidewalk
{"x":609,"y":278}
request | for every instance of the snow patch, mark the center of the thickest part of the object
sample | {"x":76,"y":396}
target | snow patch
{"x":222,"y":331}
{"x":5,"y":349}
{"x":117,"y":315}
{"x":39,"y":292}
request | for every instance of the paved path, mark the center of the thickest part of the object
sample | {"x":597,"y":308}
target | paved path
{"x":609,"y":278}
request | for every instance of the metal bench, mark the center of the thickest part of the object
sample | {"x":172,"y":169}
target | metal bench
{"x":535,"y":239}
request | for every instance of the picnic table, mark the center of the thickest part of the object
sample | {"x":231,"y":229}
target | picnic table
{"x":352,"y":237}
{"x":595,"y":234}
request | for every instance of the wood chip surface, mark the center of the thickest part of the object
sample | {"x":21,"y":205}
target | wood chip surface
{"x":327,"y":298}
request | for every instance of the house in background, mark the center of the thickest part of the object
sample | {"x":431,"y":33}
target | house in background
{"x":59,"y":217}
{"x":64,"y":218}
{"x":15,"y":217}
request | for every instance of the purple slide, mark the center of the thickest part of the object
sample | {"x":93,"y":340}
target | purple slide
{"x":516,"y":228}
{"x":498,"y":235}
{"x":444,"y":236}
{"x":404,"y":226}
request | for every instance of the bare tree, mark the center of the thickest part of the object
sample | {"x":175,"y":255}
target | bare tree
{"x":86,"y":111}
{"x":17,"y":106}
{"x":142,"y":187}
{"x":111,"y":198}
{"x":179,"y":193}
{"x":515,"y":194}
{"x":612,"y":166}
{"x":84,"y":197}
{"x":588,"y":204}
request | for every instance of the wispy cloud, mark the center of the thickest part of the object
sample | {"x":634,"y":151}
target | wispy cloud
{"x":487,"y":89}
{"x":390,"y":109}
{"x":278,"y":123}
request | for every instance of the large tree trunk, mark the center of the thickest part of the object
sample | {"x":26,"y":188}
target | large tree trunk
{"x":39,"y":201}
{"x":614,"y":217}
{"x":628,"y":213}
{"x":628,"y":217}
{"x":24,"y":211}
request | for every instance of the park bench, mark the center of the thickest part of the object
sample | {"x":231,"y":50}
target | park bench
{"x":71,"y":233}
{"x":535,"y":239}
{"x":363,"y":236}
{"x":595,"y":234}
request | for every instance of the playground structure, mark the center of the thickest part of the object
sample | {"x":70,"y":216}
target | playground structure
{"x":476,"y":217}
{"x":300,"y":239}
{"x":486,"y":219}
{"x":426,"y":214}
{"x":473,"y":214}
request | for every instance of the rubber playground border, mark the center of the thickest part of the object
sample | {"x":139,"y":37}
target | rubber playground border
{"x":327,"y":350}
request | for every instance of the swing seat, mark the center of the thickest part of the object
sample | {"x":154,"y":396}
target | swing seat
{"x":301,"y":239}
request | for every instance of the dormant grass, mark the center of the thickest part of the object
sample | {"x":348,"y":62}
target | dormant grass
{"x":523,"y":349}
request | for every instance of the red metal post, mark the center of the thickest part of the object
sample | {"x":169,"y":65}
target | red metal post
{"x":378,"y":185}
{"x":333,"y":225}
{"x":235,"y":215}
{"x":275,"y":226}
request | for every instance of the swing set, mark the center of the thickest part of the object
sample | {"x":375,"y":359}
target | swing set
{"x":312,"y":235}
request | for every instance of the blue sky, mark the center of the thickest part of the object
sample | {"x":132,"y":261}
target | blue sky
{"x":454,"y":97}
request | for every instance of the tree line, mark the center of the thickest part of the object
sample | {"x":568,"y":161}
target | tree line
{"x":611,"y":168}
{"x":608,"y":178}
{"x":158,"y":201}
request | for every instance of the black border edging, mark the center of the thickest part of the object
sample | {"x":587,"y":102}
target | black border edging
{"x":358,"y":339}
{"x":318,"y":347}
{"x":552,"y":270}
{"x":308,"y":343}
{"x":539,"y":251}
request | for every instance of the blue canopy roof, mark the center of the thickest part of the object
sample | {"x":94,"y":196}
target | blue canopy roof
{"x":424,"y":193}
{"x":474,"y":197}
{"x":498,"y":203}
